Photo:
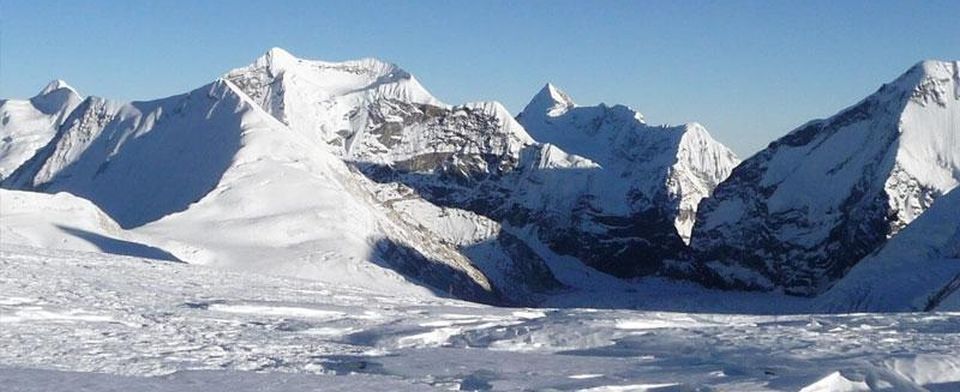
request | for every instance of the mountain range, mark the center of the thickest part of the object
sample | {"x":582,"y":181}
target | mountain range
{"x":353,"y":173}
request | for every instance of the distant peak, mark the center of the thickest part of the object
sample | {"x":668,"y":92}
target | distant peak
{"x":276,"y":59}
{"x":279,"y":54}
{"x":550,"y":100}
{"x":56,"y":85}
{"x":937,"y":68}
{"x":553,"y":93}
{"x":55,"y":97}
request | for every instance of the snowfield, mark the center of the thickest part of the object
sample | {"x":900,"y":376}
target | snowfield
{"x":93,"y":321}
{"x":310,"y":225}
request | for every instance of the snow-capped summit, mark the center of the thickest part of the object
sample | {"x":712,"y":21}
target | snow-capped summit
{"x":318,"y":97}
{"x":648,"y":182}
{"x":799,"y":214}
{"x":276,"y":59}
{"x":56,"y":99}
{"x":551,"y":101}
{"x":30,"y":124}
{"x":55,"y":85}
{"x":669,"y":168}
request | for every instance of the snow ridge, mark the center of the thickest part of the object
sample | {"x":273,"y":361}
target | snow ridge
{"x":668,"y":168}
{"x":171,"y":169}
{"x":30,"y":124}
{"x":876,"y":166}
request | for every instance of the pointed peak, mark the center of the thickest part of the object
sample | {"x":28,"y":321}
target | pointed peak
{"x":56,"y":96}
{"x":55,"y":85}
{"x":553,"y":93}
{"x":937,"y":68}
{"x":922,"y":71}
{"x":550,"y":101}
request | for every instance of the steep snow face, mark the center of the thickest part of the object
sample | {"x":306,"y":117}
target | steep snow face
{"x":28,"y":125}
{"x":238,"y":189}
{"x":140,"y":161}
{"x":915,"y":271}
{"x":803,"y":211}
{"x":646,"y":168}
{"x":317,"y":98}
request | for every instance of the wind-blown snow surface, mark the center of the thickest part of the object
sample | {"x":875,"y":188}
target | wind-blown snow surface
{"x":799,"y":214}
{"x":73,"y":320}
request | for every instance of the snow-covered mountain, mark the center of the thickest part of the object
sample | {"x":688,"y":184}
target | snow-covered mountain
{"x":464,"y":184}
{"x":352,"y":172}
{"x":476,"y":157}
{"x":27,"y":125}
{"x":648,"y":179}
{"x":213,"y":179}
{"x":318,"y":98}
{"x":917,"y":270}
{"x":378,"y":118}
{"x":799,"y":214}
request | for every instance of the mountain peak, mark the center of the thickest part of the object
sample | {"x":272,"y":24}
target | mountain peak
{"x":55,"y":85}
{"x":276,"y":59}
{"x":56,"y":97}
{"x":919,"y":77}
{"x":556,"y":95}
{"x":938,"y":68}
{"x":550,"y":101}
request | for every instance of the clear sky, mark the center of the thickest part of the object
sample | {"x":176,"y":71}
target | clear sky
{"x":749,"y":71}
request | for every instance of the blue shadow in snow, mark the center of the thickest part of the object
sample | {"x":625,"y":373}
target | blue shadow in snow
{"x":120,"y":247}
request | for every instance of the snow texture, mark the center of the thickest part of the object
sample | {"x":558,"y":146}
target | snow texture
{"x":94,"y":322}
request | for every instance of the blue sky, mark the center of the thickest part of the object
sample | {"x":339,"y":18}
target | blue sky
{"x":748,"y":70}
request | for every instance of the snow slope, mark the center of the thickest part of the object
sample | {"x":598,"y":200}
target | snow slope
{"x":799,"y":214}
{"x":64,"y":221}
{"x":27,"y":125}
{"x":232,"y":186}
{"x":918,"y":269}
{"x":74,"y":320}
